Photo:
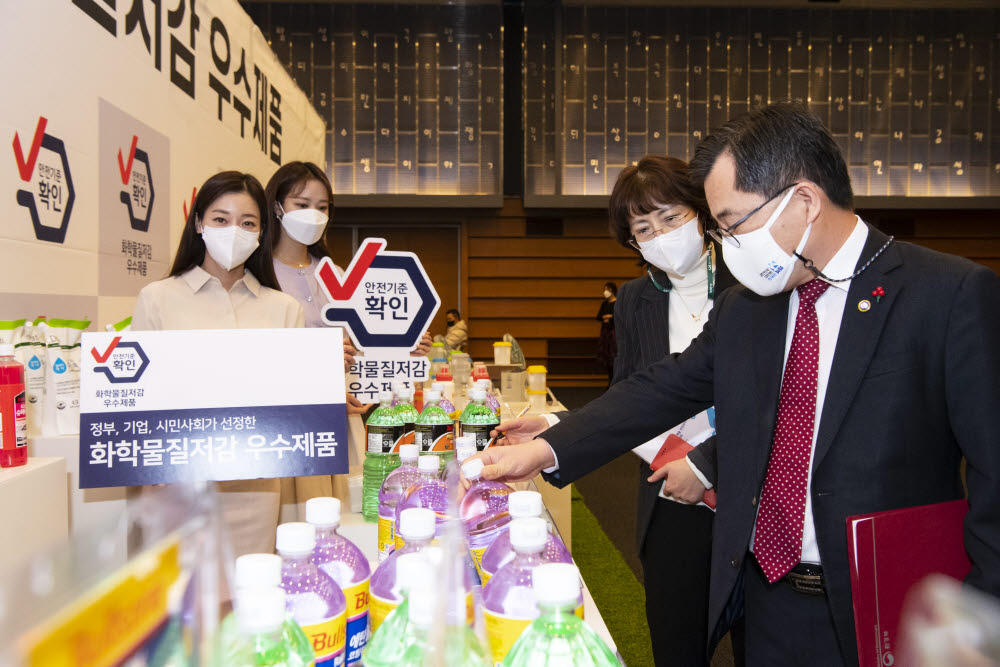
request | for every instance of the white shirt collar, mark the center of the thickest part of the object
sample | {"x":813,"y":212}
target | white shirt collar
{"x":845,"y":261}
{"x":196,"y":277}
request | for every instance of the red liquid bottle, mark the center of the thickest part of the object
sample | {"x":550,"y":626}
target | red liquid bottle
{"x":13,"y":427}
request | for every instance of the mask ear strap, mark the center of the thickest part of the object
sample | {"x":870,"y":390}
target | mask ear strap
{"x":279,"y":217}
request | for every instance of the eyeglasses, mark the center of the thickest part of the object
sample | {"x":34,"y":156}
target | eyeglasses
{"x":649,"y":233}
{"x":720,"y":235}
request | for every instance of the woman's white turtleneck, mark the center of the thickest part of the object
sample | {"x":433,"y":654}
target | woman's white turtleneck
{"x":690,"y":289}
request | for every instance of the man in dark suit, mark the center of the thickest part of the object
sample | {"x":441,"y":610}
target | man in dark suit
{"x":850,"y":375}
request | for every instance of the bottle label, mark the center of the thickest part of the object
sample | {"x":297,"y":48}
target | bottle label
{"x":477,"y":558}
{"x":435,"y":437}
{"x":20,"y":421}
{"x":327,"y":639}
{"x":378,"y":609}
{"x":409,"y":436}
{"x":503,"y":631}
{"x":384,"y":439}
{"x":481,"y":433}
{"x":357,"y":620}
{"x":386,"y":536}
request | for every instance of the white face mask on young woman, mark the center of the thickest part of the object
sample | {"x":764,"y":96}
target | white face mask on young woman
{"x":677,"y":251}
{"x":759,"y":263}
{"x":305,"y":225}
{"x":229,"y":246}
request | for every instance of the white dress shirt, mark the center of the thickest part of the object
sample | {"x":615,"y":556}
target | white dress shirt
{"x":196,"y":300}
{"x":829,"y":313}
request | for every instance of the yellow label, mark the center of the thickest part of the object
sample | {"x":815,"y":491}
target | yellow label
{"x":386,"y":536}
{"x":357,"y":600}
{"x":398,"y":540}
{"x":477,"y":558}
{"x":378,"y":609}
{"x":110,"y":621}
{"x":327,"y":639}
{"x":485,"y":576}
{"x":503,"y":631}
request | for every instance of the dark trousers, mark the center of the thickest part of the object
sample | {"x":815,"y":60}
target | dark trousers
{"x":784,"y":627}
{"x":676,"y":562}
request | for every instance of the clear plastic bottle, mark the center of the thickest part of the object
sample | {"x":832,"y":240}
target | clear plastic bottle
{"x":478,"y":419}
{"x":491,"y":400}
{"x":343,"y":561}
{"x":388,"y":644}
{"x":398,"y":481}
{"x":445,"y":402}
{"x":443,"y":377}
{"x":383,"y":430}
{"x":465,"y":447}
{"x":428,"y":492}
{"x":521,"y":505}
{"x":509,"y":602}
{"x":314,"y":599}
{"x":434,"y":428}
{"x":258,"y":572}
{"x":407,"y":413}
{"x":260,"y":633}
{"x":450,"y":645}
{"x":558,"y":637}
{"x":483,"y":510}
{"x":417,"y":527}
{"x":397,"y":386}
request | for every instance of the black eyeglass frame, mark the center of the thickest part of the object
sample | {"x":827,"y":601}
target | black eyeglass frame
{"x":721,"y":235}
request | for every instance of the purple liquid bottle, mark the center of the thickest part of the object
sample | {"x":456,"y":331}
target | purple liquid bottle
{"x":465,"y":447}
{"x":313,"y":598}
{"x":347,"y":566}
{"x":417,"y":526}
{"x":521,"y":505}
{"x":483,"y":510}
{"x":509,"y":600}
{"x":428,"y":492}
{"x":400,"y":479}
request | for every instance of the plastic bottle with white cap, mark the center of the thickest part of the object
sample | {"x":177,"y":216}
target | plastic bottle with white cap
{"x":387,"y":645}
{"x":465,"y":447}
{"x":521,"y":505}
{"x":483,"y":510}
{"x":434,"y":429}
{"x":455,"y":645}
{"x":392,"y":488}
{"x":417,"y":527}
{"x":478,"y":419}
{"x":558,"y":637}
{"x":428,"y":492}
{"x":343,"y":561}
{"x":314,"y":599}
{"x":383,"y":432}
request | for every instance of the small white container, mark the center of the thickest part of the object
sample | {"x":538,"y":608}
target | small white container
{"x":537,"y":400}
{"x":501,"y":352}
{"x":536,"y":378}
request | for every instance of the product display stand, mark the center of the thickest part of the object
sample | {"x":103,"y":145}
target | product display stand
{"x":37,"y":517}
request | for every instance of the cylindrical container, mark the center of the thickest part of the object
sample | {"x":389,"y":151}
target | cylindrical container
{"x":512,"y":385}
{"x":13,"y":423}
{"x":536,"y":378}
{"x":537,"y":400}
{"x":501,"y":352}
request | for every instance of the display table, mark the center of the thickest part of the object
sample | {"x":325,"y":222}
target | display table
{"x":36,"y":516}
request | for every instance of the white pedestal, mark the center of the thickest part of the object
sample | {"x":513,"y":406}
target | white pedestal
{"x":36,"y":516}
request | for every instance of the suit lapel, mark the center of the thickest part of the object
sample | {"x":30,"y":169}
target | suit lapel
{"x":859,"y":335}
{"x":770,"y":324}
{"x":654,"y":306}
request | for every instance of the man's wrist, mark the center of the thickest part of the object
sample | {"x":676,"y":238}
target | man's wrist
{"x":551,"y":464}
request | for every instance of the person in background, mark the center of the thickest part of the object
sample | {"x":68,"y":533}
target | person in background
{"x":458,"y":331}
{"x":607,"y":348}
{"x":223,"y":278}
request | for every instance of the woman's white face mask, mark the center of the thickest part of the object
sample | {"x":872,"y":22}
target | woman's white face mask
{"x":230,"y":246}
{"x":305,"y":225}
{"x":675,"y":252}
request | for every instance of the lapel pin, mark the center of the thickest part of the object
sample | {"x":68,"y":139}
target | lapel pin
{"x":864,"y":305}
{"x":878,"y":293}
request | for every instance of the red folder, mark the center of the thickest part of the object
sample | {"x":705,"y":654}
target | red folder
{"x":889,"y":553}
{"x":674,"y":448}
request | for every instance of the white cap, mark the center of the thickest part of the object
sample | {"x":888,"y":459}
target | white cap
{"x":385,"y":397}
{"x":433,"y":394}
{"x":417,"y":523}
{"x":405,"y":394}
{"x":473,"y":468}
{"x":6,"y":350}
{"x":464,"y":451}
{"x":465,"y":441}
{"x":437,"y":386}
{"x":296,"y":539}
{"x":258,"y":571}
{"x":409,"y":452}
{"x":482,"y":382}
{"x":524,"y":504}
{"x":323,"y":512}
{"x":477,"y":393}
{"x":260,"y":609}
{"x":397,"y":386}
{"x":412,"y":569}
{"x":529,"y":535}
{"x":429,"y":463}
{"x":556,"y":583}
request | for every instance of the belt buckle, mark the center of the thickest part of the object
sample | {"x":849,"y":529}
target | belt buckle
{"x":807,"y":583}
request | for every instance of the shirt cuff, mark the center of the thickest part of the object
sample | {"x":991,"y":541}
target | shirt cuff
{"x":552,"y":420}
{"x":697,"y":473}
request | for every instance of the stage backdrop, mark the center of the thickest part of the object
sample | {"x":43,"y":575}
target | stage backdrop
{"x":113,"y":112}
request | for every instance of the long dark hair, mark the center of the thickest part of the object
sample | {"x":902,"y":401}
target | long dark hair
{"x":288,"y":181}
{"x":191,"y":251}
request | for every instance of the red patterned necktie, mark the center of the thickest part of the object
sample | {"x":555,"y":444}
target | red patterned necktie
{"x":778,"y":539}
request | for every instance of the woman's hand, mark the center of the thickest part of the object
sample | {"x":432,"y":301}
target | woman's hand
{"x":681,"y":482}
{"x":355,"y":406}
{"x":424,"y":347}
{"x":349,"y":353}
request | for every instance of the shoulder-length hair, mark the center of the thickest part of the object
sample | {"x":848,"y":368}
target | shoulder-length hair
{"x":655,"y":181}
{"x":289,"y":181}
{"x":191,"y":251}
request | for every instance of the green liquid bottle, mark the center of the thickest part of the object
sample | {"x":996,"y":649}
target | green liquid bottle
{"x":261,"y":636}
{"x":383,"y":433}
{"x":478,"y":419}
{"x":389,"y":641}
{"x":559,"y":638}
{"x":408,"y":413}
{"x":427,"y":644}
{"x":434,"y":428}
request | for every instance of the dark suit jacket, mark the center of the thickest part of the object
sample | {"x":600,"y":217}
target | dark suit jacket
{"x":642,"y":315}
{"x":914,"y":386}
